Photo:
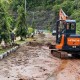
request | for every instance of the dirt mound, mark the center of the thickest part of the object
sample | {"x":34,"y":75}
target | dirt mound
{"x":41,"y":35}
{"x":34,"y":43}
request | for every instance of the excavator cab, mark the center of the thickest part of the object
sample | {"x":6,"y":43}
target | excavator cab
{"x":66,"y":27}
{"x":66,"y":31}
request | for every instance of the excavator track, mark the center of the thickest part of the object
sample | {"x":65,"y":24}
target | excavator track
{"x":58,"y":53}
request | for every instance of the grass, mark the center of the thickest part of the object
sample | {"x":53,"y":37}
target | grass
{"x":26,"y":40}
{"x":3,"y":50}
{"x":29,"y":39}
{"x":18,"y":42}
{"x":78,"y":28}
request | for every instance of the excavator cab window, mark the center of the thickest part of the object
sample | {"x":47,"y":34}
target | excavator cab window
{"x":70,"y":28}
{"x":67,"y":27}
{"x":60,"y":29}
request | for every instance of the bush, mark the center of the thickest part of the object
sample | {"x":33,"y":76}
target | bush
{"x":78,"y":28}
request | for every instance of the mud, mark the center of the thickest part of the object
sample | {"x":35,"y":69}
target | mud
{"x":36,"y":63}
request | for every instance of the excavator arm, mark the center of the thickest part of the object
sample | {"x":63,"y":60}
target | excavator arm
{"x":62,"y":15}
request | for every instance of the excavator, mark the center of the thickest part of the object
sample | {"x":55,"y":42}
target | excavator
{"x":67,"y":41}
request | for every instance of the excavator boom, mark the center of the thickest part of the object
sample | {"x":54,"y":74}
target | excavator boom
{"x":62,"y":15}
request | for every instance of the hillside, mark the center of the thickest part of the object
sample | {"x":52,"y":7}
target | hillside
{"x":44,"y":13}
{"x":41,"y":14}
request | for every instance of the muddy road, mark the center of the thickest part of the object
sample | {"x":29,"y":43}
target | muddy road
{"x":68,"y":70}
{"x":34,"y":62}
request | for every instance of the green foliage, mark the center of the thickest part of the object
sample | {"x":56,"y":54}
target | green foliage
{"x":56,"y":9}
{"x":16,"y":7}
{"x":58,"y":1}
{"x":76,"y":15}
{"x":16,"y":3}
{"x":76,"y":4}
{"x":31,"y":4}
{"x":67,"y":6}
{"x":48,"y":27}
{"x":4,"y":24}
{"x":21,"y":29}
{"x":30,"y":30}
{"x":78,"y":28}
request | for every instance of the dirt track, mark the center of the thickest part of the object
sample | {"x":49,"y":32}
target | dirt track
{"x":36,"y":63}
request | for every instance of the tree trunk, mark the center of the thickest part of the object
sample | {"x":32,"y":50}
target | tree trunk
{"x":21,"y":39}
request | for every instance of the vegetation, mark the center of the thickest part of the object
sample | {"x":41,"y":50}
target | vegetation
{"x":30,"y":30}
{"x":21,"y":29}
{"x":4,"y":23}
{"x":40,"y":14}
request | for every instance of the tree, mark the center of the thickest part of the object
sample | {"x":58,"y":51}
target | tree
{"x":67,"y":6}
{"x":4,"y":24}
{"x":15,"y":4}
{"x":21,"y":29}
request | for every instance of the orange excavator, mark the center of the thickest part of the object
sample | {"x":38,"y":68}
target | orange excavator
{"x":66,"y":37}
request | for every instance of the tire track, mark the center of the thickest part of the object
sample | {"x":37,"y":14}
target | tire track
{"x":64,"y":64}
{"x":76,"y":64}
{"x":59,"y":69}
